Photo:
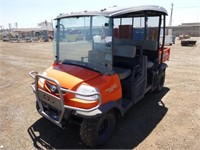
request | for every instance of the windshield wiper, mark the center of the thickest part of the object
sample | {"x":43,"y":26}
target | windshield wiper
{"x":79,"y":64}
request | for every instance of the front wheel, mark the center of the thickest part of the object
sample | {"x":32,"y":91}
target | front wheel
{"x":37,"y":106}
{"x":97,"y":131}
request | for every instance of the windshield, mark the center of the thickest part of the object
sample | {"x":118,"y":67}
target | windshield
{"x":84,"y":41}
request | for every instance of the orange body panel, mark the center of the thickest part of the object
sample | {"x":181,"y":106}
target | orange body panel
{"x":109,"y":86}
{"x":71,"y":77}
{"x":166,"y":54}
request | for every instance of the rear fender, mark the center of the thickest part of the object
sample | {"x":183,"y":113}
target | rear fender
{"x":163,"y":66}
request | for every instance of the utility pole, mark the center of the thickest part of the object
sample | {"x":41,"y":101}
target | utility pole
{"x":16,"y":25}
{"x":10,"y":26}
{"x":170,"y":20}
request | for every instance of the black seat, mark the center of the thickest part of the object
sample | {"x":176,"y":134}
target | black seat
{"x":125,"y":52}
{"x":150,"y":49}
{"x":122,"y":73}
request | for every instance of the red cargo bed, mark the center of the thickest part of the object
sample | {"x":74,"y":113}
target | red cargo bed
{"x":166,"y":54}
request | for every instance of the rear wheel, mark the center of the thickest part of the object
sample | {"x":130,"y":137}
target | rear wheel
{"x":97,"y":131}
{"x":161,"y":82}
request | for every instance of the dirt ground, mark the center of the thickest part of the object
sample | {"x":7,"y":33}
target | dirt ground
{"x":168,"y":120}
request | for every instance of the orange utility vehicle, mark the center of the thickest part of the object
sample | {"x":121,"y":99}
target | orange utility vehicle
{"x":105,"y":62}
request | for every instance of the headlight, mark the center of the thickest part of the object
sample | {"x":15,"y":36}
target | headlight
{"x":87,"y":90}
{"x":41,"y":80}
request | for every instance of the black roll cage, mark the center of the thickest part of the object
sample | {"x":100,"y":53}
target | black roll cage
{"x":143,"y":13}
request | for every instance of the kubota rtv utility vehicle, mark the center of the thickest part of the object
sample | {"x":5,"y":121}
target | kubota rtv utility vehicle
{"x":105,"y":62}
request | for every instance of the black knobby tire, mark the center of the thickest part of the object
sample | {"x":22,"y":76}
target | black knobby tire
{"x":37,"y":106}
{"x":161,"y":82}
{"x":97,"y":131}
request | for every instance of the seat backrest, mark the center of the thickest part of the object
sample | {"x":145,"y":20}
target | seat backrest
{"x":151,"y":45}
{"x":128,"y":51}
{"x":124,"y":41}
{"x":99,"y":46}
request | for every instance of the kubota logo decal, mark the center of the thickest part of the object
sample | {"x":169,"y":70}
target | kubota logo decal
{"x":112,"y":88}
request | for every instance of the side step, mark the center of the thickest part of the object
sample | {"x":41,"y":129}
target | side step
{"x":148,"y":88}
{"x":126,"y":102}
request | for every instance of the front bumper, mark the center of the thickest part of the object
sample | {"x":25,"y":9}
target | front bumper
{"x":57,"y":102}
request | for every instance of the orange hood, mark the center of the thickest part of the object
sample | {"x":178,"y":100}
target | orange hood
{"x":70,"y":76}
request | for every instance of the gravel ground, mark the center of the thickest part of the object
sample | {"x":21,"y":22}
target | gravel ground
{"x":168,"y":120}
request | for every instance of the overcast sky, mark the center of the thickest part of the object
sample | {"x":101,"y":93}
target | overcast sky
{"x":28,"y":13}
